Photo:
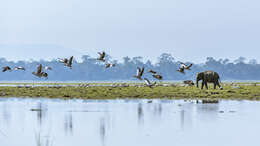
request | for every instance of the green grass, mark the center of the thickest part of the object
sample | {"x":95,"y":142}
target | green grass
{"x":248,"y":92}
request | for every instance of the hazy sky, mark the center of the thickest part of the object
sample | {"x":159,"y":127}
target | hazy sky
{"x":190,"y":30}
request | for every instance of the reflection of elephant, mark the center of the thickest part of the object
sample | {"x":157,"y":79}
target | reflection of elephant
{"x":208,"y":76}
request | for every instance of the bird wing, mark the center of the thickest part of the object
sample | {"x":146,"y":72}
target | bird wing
{"x":70,"y":61}
{"x":138,"y":71}
{"x":190,"y":66}
{"x":142,"y":71}
{"x":39,"y":69}
{"x":147,"y":81}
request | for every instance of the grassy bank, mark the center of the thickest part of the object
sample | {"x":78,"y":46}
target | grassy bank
{"x":239,"y":91}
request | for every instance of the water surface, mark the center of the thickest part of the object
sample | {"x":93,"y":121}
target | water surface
{"x":53,"y":122}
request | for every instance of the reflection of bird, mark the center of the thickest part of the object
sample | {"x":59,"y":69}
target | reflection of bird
{"x":152,"y":71}
{"x":148,"y":83}
{"x":6,"y":68}
{"x":108,"y":65}
{"x":139,"y":73}
{"x":101,"y":56}
{"x":67,"y":62}
{"x":185,"y":66}
{"x":19,"y":68}
{"x":39,"y":72}
{"x":157,"y":76}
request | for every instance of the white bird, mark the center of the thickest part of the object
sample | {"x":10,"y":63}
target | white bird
{"x":148,"y":83}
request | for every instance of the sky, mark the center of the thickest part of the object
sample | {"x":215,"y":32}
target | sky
{"x":190,"y":30}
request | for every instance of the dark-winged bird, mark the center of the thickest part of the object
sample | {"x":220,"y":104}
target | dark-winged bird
{"x":101,"y":56}
{"x":139,"y":73}
{"x":6,"y":68}
{"x":148,"y":83}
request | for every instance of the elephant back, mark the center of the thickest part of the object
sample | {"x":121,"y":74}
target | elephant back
{"x":211,"y":76}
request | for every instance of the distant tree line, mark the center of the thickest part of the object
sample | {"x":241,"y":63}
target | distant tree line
{"x":90,"y":69}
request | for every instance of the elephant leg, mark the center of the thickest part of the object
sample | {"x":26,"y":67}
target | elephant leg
{"x":206,"y":85}
{"x":215,"y":84}
{"x":202,"y":85}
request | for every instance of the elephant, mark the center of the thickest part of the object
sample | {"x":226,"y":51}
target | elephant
{"x":208,"y":77}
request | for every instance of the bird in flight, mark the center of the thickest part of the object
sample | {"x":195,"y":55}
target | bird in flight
{"x":139,"y":73}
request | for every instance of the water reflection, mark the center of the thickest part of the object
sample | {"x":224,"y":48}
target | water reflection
{"x":68,"y":123}
{"x":102,"y":130}
{"x":140,"y":114}
{"x":6,"y":114}
{"x":161,"y":123}
{"x":157,"y":110}
{"x":43,"y":140}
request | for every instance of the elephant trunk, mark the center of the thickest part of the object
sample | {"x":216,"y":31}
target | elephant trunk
{"x":197,"y":83}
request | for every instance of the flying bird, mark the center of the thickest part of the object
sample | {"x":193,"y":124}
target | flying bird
{"x":157,"y":76}
{"x":181,"y":70}
{"x":183,"y":65}
{"x":139,"y":73}
{"x":40,"y":73}
{"x":148,"y":83}
{"x":101,"y":56}
{"x":6,"y":68}
{"x":108,"y":65}
{"x":152,"y":71}
{"x":19,"y":68}
{"x":67,"y":62}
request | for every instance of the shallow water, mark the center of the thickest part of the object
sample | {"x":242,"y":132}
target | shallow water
{"x":52,"y":122}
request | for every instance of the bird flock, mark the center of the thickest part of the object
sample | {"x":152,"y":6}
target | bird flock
{"x":67,"y":62}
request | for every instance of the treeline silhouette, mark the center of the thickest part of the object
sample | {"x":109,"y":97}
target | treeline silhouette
{"x":90,"y":69}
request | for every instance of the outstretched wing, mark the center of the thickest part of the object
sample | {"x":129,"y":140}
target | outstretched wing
{"x":190,"y":66}
{"x":71,"y":59}
{"x":138,"y":71}
{"x":142,"y":71}
{"x":147,"y":81}
{"x":39,"y":69}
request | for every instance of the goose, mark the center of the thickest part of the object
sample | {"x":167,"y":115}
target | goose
{"x":67,"y":62}
{"x":183,"y":65}
{"x":44,"y":74}
{"x":139,"y":73}
{"x":39,"y":71}
{"x":148,"y":83}
{"x":6,"y":68}
{"x":110,"y":65}
{"x":181,"y":70}
{"x":19,"y":68}
{"x":101,"y":56}
{"x":157,"y":76}
{"x":152,"y":71}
